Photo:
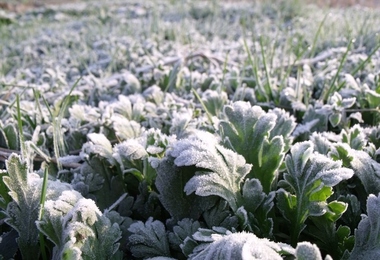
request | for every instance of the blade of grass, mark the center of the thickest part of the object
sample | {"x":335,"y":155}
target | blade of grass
{"x":316,"y":36}
{"x":20,"y":128}
{"x":363,"y":63}
{"x":58,"y":142}
{"x":41,"y":212}
{"x":254,"y":67}
{"x":36,"y":94}
{"x":332,"y":87}
{"x":209,"y":116}
{"x":223,"y":87}
{"x":267,"y":87}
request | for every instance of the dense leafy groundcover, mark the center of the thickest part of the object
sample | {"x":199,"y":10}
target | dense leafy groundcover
{"x":190,"y":130}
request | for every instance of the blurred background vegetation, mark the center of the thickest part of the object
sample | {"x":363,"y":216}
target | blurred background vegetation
{"x":335,"y":3}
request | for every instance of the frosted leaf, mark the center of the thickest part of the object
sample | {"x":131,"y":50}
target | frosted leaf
{"x":305,"y":128}
{"x":229,"y":245}
{"x":351,"y":82}
{"x":308,"y":181}
{"x":321,"y":144}
{"x":170,"y":183}
{"x":22,"y":212}
{"x":222,"y":169}
{"x":99,"y":145}
{"x":70,"y":159}
{"x":181,"y":122}
{"x":367,"y":241}
{"x":77,"y":228}
{"x":154,"y":149}
{"x":131,"y":149}
{"x":214,"y":101}
{"x":84,"y":113}
{"x":78,"y":232}
{"x":184,"y":229}
{"x":84,"y":210}
{"x":125,"y":128}
{"x":154,"y":94}
{"x":262,"y":138}
{"x":148,"y":239}
{"x":367,"y":169}
{"x":306,"y":251}
{"x":161,"y":258}
{"x":357,"y":116}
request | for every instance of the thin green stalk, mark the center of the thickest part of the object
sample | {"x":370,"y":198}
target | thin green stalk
{"x":14,"y":101}
{"x":209,"y":116}
{"x":316,"y":36}
{"x":224,"y":71}
{"x":58,"y":142}
{"x":254,"y":67}
{"x":268,"y":87}
{"x":363,"y":63}
{"x":20,"y":128}
{"x":47,"y":106}
{"x":332,"y":87}
{"x":41,"y":212}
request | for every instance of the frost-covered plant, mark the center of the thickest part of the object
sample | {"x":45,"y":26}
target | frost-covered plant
{"x":217,"y":165}
{"x":24,"y":209}
{"x":78,"y":229}
{"x":187,"y":129}
{"x":307,"y":185}
{"x":262,"y":138}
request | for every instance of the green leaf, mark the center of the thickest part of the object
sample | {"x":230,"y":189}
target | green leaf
{"x":352,"y":216}
{"x":308,"y":181}
{"x":11,"y":137}
{"x":148,"y":239}
{"x":220,"y":215}
{"x":257,"y":204}
{"x":185,"y":228}
{"x":367,"y":238}
{"x":4,"y":192}
{"x":99,"y":145}
{"x":335,"y":119}
{"x":214,"y":101}
{"x":262,"y":138}
{"x":221,"y":171}
{"x":77,"y":228}
{"x":366,"y":168}
{"x":25,"y":190}
{"x":355,"y":137}
{"x":104,"y":244}
{"x":372,"y":98}
{"x":170,"y":183}
{"x":125,"y":129}
{"x":220,"y":243}
{"x":23,"y":211}
{"x":306,"y":251}
{"x":324,"y":231}
{"x":99,"y":181}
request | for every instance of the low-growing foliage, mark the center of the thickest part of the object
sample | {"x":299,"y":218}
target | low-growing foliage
{"x":190,"y":130}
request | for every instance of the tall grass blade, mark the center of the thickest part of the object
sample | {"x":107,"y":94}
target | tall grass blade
{"x":267,"y":87}
{"x":332,"y":87}
{"x":41,"y":213}
{"x":58,"y":142}
{"x":363,"y":63}
{"x":316,"y":36}
{"x":20,"y":128}
{"x":254,"y":68}
{"x":209,"y":116}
